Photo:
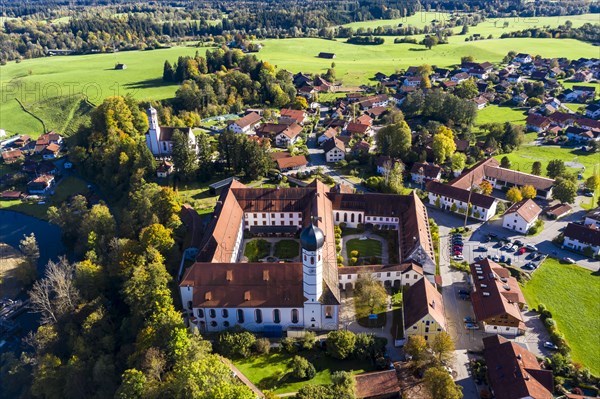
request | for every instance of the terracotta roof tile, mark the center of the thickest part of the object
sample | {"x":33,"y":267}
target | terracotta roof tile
{"x":421,"y":299}
{"x":526,"y":208}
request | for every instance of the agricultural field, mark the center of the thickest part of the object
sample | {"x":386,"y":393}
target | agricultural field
{"x":570,"y":293}
{"x":355,"y":64}
{"x":492,"y":26}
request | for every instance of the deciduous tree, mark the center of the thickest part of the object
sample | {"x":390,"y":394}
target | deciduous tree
{"x":340,"y":343}
{"x":443,"y":144}
{"x":555,"y":168}
{"x":370,"y":292}
{"x":565,"y":190}
{"x":514,"y":195}
{"x":394,"y":140}
{"x":442,"y":346}
{"x":486,"y":187}
{"x":528,"y":191}
{"x":440,"y":384}
{"x":536,"y":168}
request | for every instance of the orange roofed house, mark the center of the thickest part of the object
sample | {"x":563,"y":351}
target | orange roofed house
{"x":223,"y":289}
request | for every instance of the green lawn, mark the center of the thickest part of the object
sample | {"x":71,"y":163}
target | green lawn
{"x":287,"y":249}
{"x":365,"y":248}
{"x":571,"y":294}
{"x":257,"y":249}
{"x":271,"y":371}
{"x":494,"y":113}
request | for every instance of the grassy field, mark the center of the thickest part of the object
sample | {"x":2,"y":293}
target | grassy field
{"x":365,"y":248}
{"x":494,"y":113}
{"x":571,"y":294}
{"x":356,"y":64}
{"x":492,"y":26}
{"x":287,"y":249}
{"x":271,"y":371}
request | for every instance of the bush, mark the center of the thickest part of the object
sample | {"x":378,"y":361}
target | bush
{"x":288,"y":344}
{"x":235,"y":343}
{"x":309,"y":340}
{"x":353,"y":261}
{"x":550,"y":324}
{"x":262,"y":345}
{"x":545,"y":314}
{"x":302,"y":368}
{"x":354,"y":254}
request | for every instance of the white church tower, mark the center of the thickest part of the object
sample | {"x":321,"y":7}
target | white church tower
{"x":153,"y":135}
{"x":312,"y":240}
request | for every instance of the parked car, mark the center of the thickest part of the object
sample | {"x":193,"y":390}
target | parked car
{"x":482,"y":248}
{"x":588,"y":194}
{"x":528,"y":267}
{"x":457,"y":252}
{"x":469,"y":319}
{"x":465,"y":297}
{"x":550,"y":345}
{"x":507,"y":246}
{"x":503,"y":258}
{"x":514,"y":247}
{"x":568,"y":260}
{"x":522,"y":250}
{"x":458,"y":257}
{"x":531,"y":247}
{"x":464,"y":292}
{"x":492,"y":235}
{"x":479,"y":257}
{"x":485,"y":239}
{"x":508,"y":261}
{"x":496,"y":258}
{"x":471,"y":326}
{"x":457,"y":247}
{"x":519,"y":243}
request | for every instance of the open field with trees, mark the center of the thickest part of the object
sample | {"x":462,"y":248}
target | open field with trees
{"x":570,"y":293}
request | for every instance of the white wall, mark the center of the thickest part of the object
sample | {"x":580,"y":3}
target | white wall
{"x":273,"y":219}
{"x":493,"y":329}
{"x":223,"y":321}
{"x":427,"y":327}
{"x":579,"y":246}
{"x":514,"y":221}
{"x":485,"y":214}
{"x":347,"y":217}
{"x":406,"y":279}
{"x":335,"y":155}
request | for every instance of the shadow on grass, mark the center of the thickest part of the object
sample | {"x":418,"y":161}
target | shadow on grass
{"x":417,"y":49}
{"x":148,"y":83}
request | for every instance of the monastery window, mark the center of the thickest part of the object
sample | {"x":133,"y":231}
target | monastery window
{"x":200,"y":313}
{"x":389,"y":274}
{"x":225,"y":323}
{"x":304,"y":257}
{"x":164,"y":146}
{"x":345,"y":217}
{"x":225,"y":313}
{"x":264,"y":215}
{"x":258,"y":316}
{"x":352,"y":218}
{"x":264,"y":222}
{"x":415,"y":276}
{"x":337,"y":216}
{"x":328,"y":312}
{"x":295,"y":316}
{"x":359,"y":218}
{"x":291,"y":215}
{"x":291,"y":222}
{"x":276,"y":316}
{"x":212,"y":313}
{"x":240,"y":316}
{"x":213,"y":323}
{"x":312,"y":260}
{"x":426,"y":329}
{"x":283,"y":215}
{"x":397,"y":273}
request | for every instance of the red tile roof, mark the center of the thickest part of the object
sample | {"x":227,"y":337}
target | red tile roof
{"x":377,"y":384}
{"x":422,"y":299}
{"x":526,"y":208}
{"x":248,"y":120}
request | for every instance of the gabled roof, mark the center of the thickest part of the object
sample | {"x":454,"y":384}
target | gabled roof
{"x":377,"y":384}
{"x":422,"y":299}
{"x":537,"y":120}
{"x":297,"y":115}
{"x":291,"y":131}
{"x":354,"y":127}
{"x":248,"y":120}
{"x":291,"y":162}
{"x":429,"y":170}
{"x":526,"y":208}
{"x":514,"y":372}
{"x":519,"y":178}
{"x":460,"y":194}
{"x":584,"y":234}
{"x":332,"y":143}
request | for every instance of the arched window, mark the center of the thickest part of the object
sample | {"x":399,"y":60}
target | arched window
{"x":225,"y":313}
{"x":240,"y":316}
{"x":276,"y":316}
{"x":345,"y":217}
{"x":212,"y":313}
{"x":200,"y":313}
{"x":328,"y":312}
{"x":258,"y":316}
{"x":352,"y":218}
{"x":304,"y":257}
{"x":213,"y":323}
{"x":295,"y":316}
{"x":312,"y":260}
{"x":359,"y":218}
{"x":337,"y":216}
{"x":225,"y":323}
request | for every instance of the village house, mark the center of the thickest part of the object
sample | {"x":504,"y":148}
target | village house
{"x":358,"y":128}
{"x":159,"y":139}
{"x":289,"y":162}
{"x":289,"y":135}
{"x":455,"y":199}
{"x":460,"y":77}
{"x":12,"y":156}
{"x":423,"y":172}
{"x":246,"y":124}
{"x":40,"y":185}
{"x":582,"y":135}
{"x":558,"y":211}
{"x":579,"y":94}
{"x":513,"y":372}
{"x":514,"y":78}
{"x":523,"y":58}
{"x":536,"y":123}
{"x":497,"y":298}
{"x":335,"y":150}
{"x":580,"y":237}
{"x":48,"y":139}
{"x":480,"y":102}
{"x":412,"y":81}
{"x":290,"y":116}
{"x":593,"y":218}
{"x":385,"y":164}
{"x":328,"y":134}
{"x":219,"y":292}
{"x":521,"y":216}
{"x":22,"y":141}
{"x":390,"y":276}
{"x":583,"y":76}
{"x":164,"y":169}
{"x":593,"y":111}
{"x":423,"y":310}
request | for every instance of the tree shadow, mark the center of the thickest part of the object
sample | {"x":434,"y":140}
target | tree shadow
{"x":149,"y":83}
{"x":417,"y":49}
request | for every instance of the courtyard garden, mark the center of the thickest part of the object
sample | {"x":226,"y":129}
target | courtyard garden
{"x":257,"y":249}
{"x":363,"y":251}
{"x":287,"y":249}
{"x":570,"y":293}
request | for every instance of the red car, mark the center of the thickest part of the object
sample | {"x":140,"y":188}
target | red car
{"x":522,"y":251}
{"x":457,"y":252}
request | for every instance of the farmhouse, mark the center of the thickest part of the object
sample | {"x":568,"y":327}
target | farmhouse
{"x":423,"y":172}
{"x":521,"y":216}
{"x":497,"y":298}
{"x":537,"y":123}
{"x":159,"y":139}
{"x":289,"y":135}
{"x":593,"y":218}
{"x":579,"y":237}
{"x":290,"y":116}
{"x":22,"y":140}
{"x":286,"y":162}
{"x":328,"y":134}
{"x":423,"y":310}
{"x":514,"y":372}
{"x":335,"y":150}
{"x":164,"y":169}
{"x":11,"y":156}
{"x":246,"y":124}
{"x":40,"y":185}
{"x":219,"y":292}
{"x":455,"y":199}
{"x":523,"y":58}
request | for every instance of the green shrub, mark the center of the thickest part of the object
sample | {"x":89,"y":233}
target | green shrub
{"x":262,"y":345}
{"x":288,"y":345}
{"x":354,"y":254}
{"x":235,"y":343}
{"x":353,"y":261}
{"x":302,"y":368}
{"x":550,"y":323}
{"x":340,"y":344}
{"x":309,"y":340}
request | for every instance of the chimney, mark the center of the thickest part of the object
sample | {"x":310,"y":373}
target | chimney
{"x":433,"y":304}
{"x":265,"y":275}
{"x":519,"y":356}
{"x":247,"y":296}
{"x":208,"y":296}
{"x":229,"y":275}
